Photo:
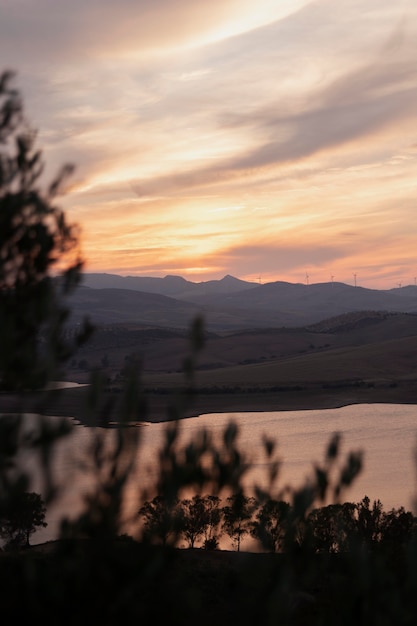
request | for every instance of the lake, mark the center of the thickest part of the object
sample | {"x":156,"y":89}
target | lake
{"x":387,"y":433}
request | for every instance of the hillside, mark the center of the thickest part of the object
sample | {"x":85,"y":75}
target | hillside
{"x":126,"y":306}
{"x":163,"y":350}
{"x":228,"y":304}
{"x":361,"y":357}
{"x":268,"y":357}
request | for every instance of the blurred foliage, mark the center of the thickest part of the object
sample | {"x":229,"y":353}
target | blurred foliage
{"x":35,"y":238}
{"x":335,"y":564}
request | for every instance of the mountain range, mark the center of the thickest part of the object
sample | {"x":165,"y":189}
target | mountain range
{"x":276,"y":344}
{"x":228,"y":304}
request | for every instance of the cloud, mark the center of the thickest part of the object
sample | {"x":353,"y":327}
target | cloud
{"x":279,"y":255}
{"x":353,"y":98}
{"x":354,"y":107}
{"x":54,"y":31}
{"x":303,"y":110}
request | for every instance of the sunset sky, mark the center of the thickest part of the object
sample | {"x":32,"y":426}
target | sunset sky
{"x":266,"y":139}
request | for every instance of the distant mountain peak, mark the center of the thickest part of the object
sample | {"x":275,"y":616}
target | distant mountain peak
{"x":174,"y":278}
{"x":231,"y":279}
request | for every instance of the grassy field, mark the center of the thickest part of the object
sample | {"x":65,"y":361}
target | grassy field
{"x":360,"y":358}
{"x":379,"y":372}
{"x":381,"y":363}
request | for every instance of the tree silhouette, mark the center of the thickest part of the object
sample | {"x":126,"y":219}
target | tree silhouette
{"x":24,"y":514}
{"x":213,"y":516}
{"x":193,"y":519}
{"x":37,"y":245}
{"x":237,"y":517}
{"x":332,"y":528}
{"x":370,"y":520}
{"x":160,"y":519}
{"x":269,"y":524}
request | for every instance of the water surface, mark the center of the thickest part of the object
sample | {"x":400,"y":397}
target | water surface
{"x":387,"y":434}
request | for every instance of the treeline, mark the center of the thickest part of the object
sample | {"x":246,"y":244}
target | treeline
{"x":202,"y":521}
{"x":245,"y":389}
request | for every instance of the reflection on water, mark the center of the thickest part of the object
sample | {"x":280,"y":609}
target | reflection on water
{"x":63,"y":384}
{"x":386,"y":433}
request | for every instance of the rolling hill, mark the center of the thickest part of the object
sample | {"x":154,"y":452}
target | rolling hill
{"x":228,"y":304}
{"x":277,"y":345}
{"x":355,"y":338}
{"x":364,"y":357}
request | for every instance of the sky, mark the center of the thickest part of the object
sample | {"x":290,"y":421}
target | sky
{"x":269,"y":139}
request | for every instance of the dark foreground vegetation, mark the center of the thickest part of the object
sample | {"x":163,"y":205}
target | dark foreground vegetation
{"x":317,"y":564}
{"x":125,"y":582}
{"x":344,"y":564}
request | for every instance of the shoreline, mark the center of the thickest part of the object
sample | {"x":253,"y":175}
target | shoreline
{"x":74,"y":402}
{"x":312,"y":399}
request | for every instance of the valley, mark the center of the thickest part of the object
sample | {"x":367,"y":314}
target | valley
{"x":354,"y":358}
{"x":247,"y":362}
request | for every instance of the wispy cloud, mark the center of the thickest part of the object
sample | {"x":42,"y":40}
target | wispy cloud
{"x":228,"y":136}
